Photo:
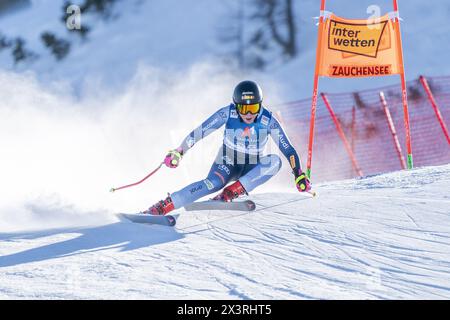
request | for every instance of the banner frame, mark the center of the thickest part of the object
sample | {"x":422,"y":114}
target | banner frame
{"x":396,"y":24}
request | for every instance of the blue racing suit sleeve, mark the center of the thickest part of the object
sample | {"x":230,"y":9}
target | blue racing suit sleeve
{"x":214,"y":122}
{"x":282,"y":141}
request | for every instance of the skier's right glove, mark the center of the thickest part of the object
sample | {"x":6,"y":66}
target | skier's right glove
{"x":174,"y":157}
{"x":302,"y":182}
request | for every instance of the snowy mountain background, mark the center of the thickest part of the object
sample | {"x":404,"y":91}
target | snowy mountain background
{"x":174,"y":36}
{"x":106,"y":115}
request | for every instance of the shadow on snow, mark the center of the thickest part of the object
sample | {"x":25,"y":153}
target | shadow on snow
{"x":122,"y":236}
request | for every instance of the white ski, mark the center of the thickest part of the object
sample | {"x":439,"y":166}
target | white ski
{"x":166,"y":220}
{"x":246,"y":205}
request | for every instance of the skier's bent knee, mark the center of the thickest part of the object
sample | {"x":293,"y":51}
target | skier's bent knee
{"x":273,"y":162}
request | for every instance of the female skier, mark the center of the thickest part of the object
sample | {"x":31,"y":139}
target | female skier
{"x":247,"y":127}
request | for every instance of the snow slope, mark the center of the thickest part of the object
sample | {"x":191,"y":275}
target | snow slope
{"x":381,"y":237}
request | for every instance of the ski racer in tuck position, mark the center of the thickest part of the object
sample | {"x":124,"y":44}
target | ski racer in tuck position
{"x":240,"y":159}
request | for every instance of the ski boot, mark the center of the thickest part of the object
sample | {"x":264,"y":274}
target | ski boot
{"x":162,"y":207}
{"x":231,"y":192}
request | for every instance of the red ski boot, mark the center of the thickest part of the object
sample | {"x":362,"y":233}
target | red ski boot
{"x":231,"y":192}
{"x":162,"y":207}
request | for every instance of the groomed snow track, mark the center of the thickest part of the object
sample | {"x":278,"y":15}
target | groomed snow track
{"x":381,"y":237}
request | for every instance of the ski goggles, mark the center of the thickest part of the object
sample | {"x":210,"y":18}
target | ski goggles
{"x":246,"y":108}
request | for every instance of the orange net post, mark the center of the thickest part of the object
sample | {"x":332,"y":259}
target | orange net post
{"x":404,"y":92}
{"x":342,"y":135}
{"x":315,"y":90}
{"x":435,"y":106}
{"x":392,"y":129}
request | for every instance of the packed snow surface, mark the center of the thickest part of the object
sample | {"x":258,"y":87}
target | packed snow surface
{"x":380,"y":237}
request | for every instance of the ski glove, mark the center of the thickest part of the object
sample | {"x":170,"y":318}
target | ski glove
{"x":302,"y":182}
{"x":173,"y":157}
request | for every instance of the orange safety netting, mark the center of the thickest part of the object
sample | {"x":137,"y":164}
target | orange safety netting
{"x":365,"y":125}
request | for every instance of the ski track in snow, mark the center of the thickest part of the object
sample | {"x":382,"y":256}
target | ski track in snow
{"x":381,"y":237}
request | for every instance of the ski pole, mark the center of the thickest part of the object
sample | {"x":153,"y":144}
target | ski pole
{"x":313,"y":193}
{"x":136,"y":183}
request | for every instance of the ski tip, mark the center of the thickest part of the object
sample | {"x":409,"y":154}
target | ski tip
{"x":121,"y":217}
{"x":171,"y":220}
{"x":167,"y":220}
{"x":251,"y":205}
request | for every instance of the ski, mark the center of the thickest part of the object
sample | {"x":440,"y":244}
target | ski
{"x":246,"y":205}
{"x":167,"y":220}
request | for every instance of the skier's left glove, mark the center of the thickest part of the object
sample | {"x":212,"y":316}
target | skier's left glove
{"x":302,"y":182}
{"x":173,"y":157}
